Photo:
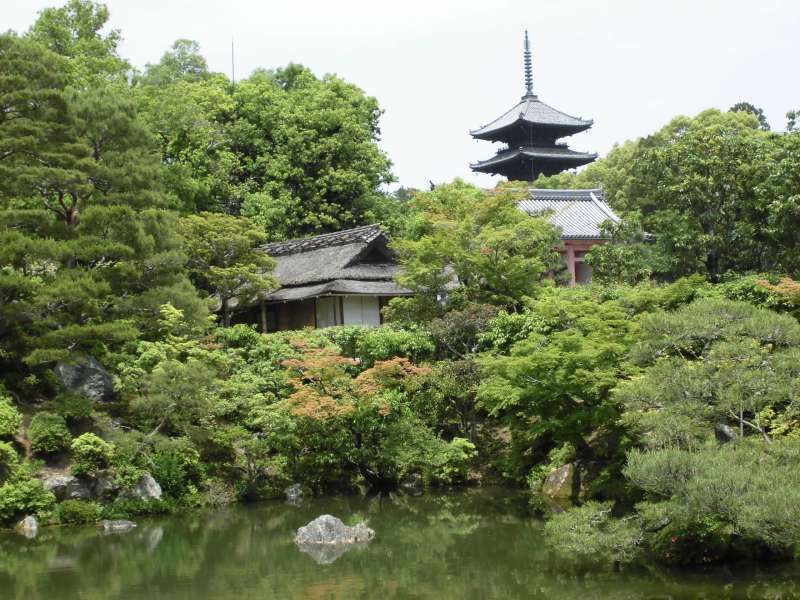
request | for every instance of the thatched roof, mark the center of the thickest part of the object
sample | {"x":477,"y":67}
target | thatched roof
{"x":351,"y":262}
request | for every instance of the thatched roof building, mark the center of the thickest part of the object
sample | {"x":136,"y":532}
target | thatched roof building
{"x":341,"y":278}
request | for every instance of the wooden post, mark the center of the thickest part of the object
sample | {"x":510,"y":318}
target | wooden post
{"x":570,"y":262}
{"x":263,"y":304}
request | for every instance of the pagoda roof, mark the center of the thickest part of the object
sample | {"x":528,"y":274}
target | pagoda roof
{"x":578,"y":214}
{"x":530,"y":111}
{"x":560,"y":154}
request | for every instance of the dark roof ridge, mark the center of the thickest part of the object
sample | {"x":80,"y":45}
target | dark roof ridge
{"x":364,"y":234}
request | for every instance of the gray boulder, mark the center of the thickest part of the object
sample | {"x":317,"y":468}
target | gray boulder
{"x":28,"y":527}
{"x":327,"y":529}
{"x":66,"y":487}
{"x":104,"y":486}
{"x":725,"y":433}
{"x":86,"y":377}
{"x":563,"y":482}
{"x":146,"y":488}
{"x":117,"y":526}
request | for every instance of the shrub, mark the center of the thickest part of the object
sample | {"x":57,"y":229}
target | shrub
{"x":49,"y":433}
{"x":78,"y":512}
{"x":590,"y":534}
{"x":90,"y":453}
{"x":73,"y":406}
{"x":22,"y":495}
{"x":452,"y":463}
{"x":383,"y":343}
{"x":10,"y":417}
{"x":8,"y":460}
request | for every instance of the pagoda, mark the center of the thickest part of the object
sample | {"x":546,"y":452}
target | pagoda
{"x":530,"y":132}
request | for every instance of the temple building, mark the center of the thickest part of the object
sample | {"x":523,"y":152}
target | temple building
{"x":340,"y":278}
{"x":530,"y":131}
{"x":578,"y":215}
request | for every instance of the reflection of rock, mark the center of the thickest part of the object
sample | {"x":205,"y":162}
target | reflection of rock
{"x":117,"y":526}
{"x":85,"y":377}
{"x":325,"y":554}
{"x":294,"y":494}
{"x":28,"y":527}
{"x":327,"y":529}
{"x":152,"y":538}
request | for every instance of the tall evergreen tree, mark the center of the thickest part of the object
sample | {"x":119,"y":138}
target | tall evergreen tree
{"x":88,"y":255}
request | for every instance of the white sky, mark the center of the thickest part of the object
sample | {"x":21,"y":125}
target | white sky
{"x":442,"y":67}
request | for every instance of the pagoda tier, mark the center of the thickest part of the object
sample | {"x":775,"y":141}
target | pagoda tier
{"x":528,"y":120}
{"x":530,"y":130}
{"x":526,"y":163}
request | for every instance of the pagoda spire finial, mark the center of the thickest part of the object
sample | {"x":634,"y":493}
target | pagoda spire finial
{"x":528,"y":67}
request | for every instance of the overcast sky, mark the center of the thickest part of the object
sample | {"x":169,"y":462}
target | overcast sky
{"x":442,"y":67}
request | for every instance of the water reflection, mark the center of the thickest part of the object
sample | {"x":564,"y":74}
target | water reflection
{"x":473,"y":544}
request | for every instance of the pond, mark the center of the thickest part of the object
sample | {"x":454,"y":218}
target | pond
{"x":467,"y":544}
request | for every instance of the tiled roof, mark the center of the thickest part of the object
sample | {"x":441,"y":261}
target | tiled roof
{"x":362,"y":235}
{"x":557,"y":153}
{"x":577,"y":213}
{"x":535,"y":112}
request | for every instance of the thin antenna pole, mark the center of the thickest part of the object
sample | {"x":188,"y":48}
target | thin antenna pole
{"x":528,"y":67}
{"x":233,"y":66}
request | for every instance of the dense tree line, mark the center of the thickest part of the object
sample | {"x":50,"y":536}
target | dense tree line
{"x":132,"y":205}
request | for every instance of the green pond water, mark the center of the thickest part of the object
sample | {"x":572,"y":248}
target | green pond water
{"x":468,"y":544}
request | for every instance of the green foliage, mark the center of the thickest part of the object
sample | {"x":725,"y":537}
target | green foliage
{"x":9,"y":460}
{"x":466,"y":245}
{"x":224,"y":258}
{"x":718,"y":503}
{"x":49,"y":433}
{"x":717,"y":193}
{"x":590,"y":534}
{"x":78,"y":512}
{"x":373,"y":344}
{"x":553,"y":387}
{"x":19,"y":497}
{"x":629,"y":257}
{"x":73,"y":407}
{"x":90,"y":454}
{"x":310,"y":146}
{"x":10,"y":417}
{"x":74,"y":31}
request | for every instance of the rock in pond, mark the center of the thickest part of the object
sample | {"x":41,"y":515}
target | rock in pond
{"x":326,"y":538}
{"x":327,"y":529}
{"x":117,"y":526}
{"x":294,"y":494}
{"x":28,"y":527}
{"x":86,"y":377}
